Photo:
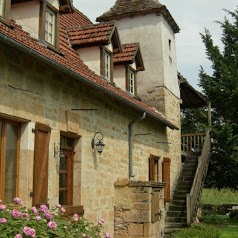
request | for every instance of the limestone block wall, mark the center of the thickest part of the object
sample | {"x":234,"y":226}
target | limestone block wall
{"x":32,"y":91}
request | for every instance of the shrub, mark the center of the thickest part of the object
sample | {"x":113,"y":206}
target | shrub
{"x":19,"y":222}
{"x":213,"y":218}
{"x":198,"y":231}
{"x":233,"y":214}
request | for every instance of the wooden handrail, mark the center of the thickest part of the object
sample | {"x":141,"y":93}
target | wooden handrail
{"x":194,"y":196}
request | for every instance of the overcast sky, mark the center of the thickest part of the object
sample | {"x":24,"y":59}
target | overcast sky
{"x":192,"y":17}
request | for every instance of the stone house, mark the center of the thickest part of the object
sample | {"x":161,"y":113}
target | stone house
{"x":89,"y":113}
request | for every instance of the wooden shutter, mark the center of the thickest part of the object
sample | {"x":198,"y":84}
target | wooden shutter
{"x":155,"y":206}
{"x":41,"y":157}
{"x":152,"y":168}
{"x":166,"y":178}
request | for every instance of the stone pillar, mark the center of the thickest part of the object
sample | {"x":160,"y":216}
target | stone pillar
{"x":134,"y":208}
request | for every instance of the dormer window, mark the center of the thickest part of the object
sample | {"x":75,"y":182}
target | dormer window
{"x":106,"y":64}
{"x":5,"y":6}
{"x":107,"y":61}
{"x":50,"y":26}
{"x":131,"y":80}
{"x":1,"y":8}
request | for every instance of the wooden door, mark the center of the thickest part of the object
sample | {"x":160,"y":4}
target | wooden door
{"x":41,"y":160}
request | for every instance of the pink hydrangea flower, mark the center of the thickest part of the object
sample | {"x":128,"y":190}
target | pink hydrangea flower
{"x":48,"y":216}
{"x":58,"y":206}
{"x":38,"y":218}
{"x":43,"y":208}
{"x":76,"y":217}
{"x":34,"y":210}
{"x":25,"y":215}
{"x":15,"y":213}
{"x":18,"y":236}
{"x":52,"y":225}
{"x":18,"y":201}
{"x":100,"y":221}
{"x":63,"y":209}
{"x":29,"y":231}
{"x":108,"y":235}
{"x":84,"y":235}
{"x":3,"y":220}
{"x":2,"y":207}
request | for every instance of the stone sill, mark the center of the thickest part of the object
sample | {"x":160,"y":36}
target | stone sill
{"x":126,"y":182}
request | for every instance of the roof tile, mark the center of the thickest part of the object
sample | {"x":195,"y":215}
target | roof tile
{"x":71,"y":60}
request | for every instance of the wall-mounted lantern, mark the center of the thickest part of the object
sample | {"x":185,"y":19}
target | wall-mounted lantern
{"x":98,"y":142}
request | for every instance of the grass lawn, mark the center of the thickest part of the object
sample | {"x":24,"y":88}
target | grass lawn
{"x":229,"y":232}
{"x":217,"y":197}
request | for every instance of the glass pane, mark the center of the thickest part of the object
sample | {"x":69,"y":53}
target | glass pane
{"x":10,"y":162}
{"x":1,"y":7}
{"x":63,"y":180}
{"x":63,"y":160}
{"x":63,"y":197}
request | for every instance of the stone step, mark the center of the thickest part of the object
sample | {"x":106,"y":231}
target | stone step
{"x":185,"y":183}
{"x":175,"y":225}
{"x":177,"y":207}
{"x":182,"y":192}
{"x":176,"y":213}
{"x":178,"y":202}
{"x":179,"y":197}
{"x":169,"y":231}
{"x":176,"y":219}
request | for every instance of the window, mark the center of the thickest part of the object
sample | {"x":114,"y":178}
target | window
{"x":9,"y":155}
{"x":106,"y":64}
{"x":50,"y":26}
{"x":1,"y":8}
{"x":154,"y":168}
{"x":132,"y":82}
{"x":66,"y":171}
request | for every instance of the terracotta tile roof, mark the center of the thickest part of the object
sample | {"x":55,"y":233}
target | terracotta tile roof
{"x":127,"y":55}
{"x":96,"y":34}
{"x":70,"y":62}
{"x":129,"y":8}
{"x":130,"y":54}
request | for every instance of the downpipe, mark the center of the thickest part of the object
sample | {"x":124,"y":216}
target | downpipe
{"x":130,"y":127}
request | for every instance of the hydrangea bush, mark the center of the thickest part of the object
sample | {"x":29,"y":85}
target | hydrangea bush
{"x":19,"y":222}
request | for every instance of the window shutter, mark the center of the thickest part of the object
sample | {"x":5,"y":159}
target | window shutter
{"x":41,"y":157}
{"x":152,"y":168}
{"x":155,"y":213}
{"x":166,"y":178}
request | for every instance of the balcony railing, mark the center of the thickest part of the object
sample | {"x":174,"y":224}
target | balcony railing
{"x":192,"y":142}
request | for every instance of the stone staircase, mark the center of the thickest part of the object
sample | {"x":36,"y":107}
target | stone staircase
{"x":177,"y":215}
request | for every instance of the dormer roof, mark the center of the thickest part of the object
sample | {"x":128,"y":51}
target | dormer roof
{"x":130,"y":54}
{"x":132,"y":8}
{"x":95,"y":34}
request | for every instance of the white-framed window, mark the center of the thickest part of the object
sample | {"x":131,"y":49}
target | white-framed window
{"x":107,"y":64}
{"x":1,"y":8}
{"x":131,"y":82}
{"x":50,"y":26}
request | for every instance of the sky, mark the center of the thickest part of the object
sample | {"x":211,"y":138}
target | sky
{"x":192,"y":17}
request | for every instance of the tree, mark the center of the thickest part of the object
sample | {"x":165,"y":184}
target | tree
{"x":221,"y":88}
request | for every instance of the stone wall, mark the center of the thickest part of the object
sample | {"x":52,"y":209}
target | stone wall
{"x":32,"y":91}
